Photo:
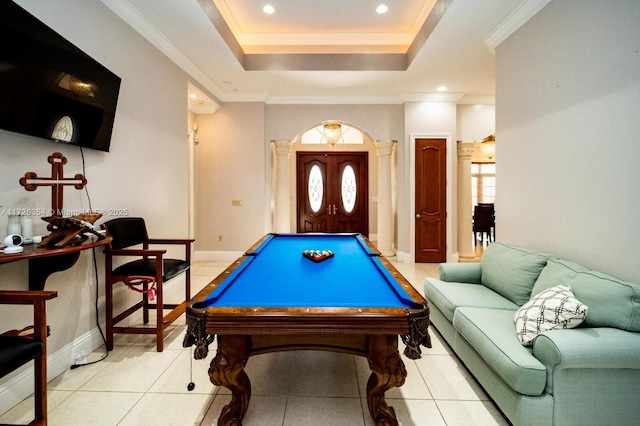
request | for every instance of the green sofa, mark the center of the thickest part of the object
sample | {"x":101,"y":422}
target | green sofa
{"x":588,"y":375}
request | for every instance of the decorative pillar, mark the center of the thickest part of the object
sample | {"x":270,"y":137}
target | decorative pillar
{"x":385,"y":211}
{"x":282,"y":196}
{"x":465,"y":213}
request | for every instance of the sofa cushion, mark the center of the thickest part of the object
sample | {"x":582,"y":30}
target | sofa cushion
{"x":492,"y":334}
{"x":448,"y":296}
{"x":555,"y":308}
{"x":511,"y":271}
{"x":612,"y":302}
{"x":557,"y":272}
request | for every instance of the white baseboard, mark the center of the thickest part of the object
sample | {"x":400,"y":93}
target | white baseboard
{"x":19,"y":387}
{"x":403,"y":257}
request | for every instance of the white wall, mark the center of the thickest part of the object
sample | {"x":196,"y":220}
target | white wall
{"x":475,"y":122}
{"x":567,"y":126}
{"x":145,"y":172}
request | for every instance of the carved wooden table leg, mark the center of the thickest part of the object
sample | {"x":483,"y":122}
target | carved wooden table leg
{"x":387,"y":371}
{"x":227,"y":369}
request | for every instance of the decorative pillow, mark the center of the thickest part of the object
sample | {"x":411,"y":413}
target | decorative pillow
{"x":552,"y":309}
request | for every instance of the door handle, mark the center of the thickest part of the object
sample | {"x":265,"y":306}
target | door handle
{"x":332,"y":209}
{"x":418,"y":215}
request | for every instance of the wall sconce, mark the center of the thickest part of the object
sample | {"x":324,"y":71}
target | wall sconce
{"x":332,"y":132}
{"x":195,"y":132}
{"x":488,"y":146}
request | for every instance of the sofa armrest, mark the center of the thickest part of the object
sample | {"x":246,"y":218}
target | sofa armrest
{"x":460,"y":272}
{"x":600,"y":347}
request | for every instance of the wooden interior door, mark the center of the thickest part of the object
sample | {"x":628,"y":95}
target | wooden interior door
{"x":431,"y":200}
{"x":332,"y":192}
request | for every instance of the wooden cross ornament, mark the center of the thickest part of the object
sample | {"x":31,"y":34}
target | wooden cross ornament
{"x":57,"y":182}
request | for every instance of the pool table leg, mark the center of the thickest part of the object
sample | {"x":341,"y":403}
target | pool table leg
{"x":387,"y":371}
{"x":227,"y":369}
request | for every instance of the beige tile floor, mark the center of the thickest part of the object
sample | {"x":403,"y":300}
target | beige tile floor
{"x":136,"y":386}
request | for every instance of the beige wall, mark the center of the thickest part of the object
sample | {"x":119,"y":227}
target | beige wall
{"x":145,"y":173}
{"x":568,"y":121}
{"x":230,"y":164}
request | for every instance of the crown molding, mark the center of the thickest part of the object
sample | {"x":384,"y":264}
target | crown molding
{"x":136,"y":20}
{"x":334,"y":100}
{"x":514,"y":20}
{"x":432,"y":97}
{"x":477,"y":100}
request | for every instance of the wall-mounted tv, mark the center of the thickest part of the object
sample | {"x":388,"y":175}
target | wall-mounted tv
{"x":49,"y":88}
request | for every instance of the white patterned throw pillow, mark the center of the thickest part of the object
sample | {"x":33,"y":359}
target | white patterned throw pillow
{"x":551,"y":309}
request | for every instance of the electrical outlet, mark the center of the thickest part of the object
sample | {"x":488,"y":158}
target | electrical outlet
{"x":80,"y":358}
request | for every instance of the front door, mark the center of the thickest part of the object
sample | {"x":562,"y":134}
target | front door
{"x":332,"y":192}
{"x":431,"y":200}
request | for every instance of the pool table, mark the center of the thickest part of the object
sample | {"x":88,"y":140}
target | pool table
{"x":274,"y":299}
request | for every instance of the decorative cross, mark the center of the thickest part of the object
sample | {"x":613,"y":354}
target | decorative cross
{"x":57,"y":182}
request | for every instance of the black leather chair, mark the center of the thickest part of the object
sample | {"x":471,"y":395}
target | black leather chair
{"x":147,"y":275}
{"x":484,"y":222}
{"x":19,"y":347}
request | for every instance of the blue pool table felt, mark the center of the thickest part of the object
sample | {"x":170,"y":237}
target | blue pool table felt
{"x":276,"y":274}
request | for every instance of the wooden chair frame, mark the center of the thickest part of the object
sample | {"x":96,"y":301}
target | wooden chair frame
{"x":162,"y":320}
{"x":38,"y":300}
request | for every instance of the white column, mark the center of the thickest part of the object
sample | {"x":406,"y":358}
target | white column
{"x":465,"y":213}
{"x":385,"y":211}
{"x":282,"y":207}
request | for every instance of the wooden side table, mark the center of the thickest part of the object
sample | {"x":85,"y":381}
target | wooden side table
{"x":44,"y":261}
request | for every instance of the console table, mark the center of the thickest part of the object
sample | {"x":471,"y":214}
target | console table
{"x":44,"y":261}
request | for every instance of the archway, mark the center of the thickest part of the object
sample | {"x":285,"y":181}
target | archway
{"x":285,"y":182}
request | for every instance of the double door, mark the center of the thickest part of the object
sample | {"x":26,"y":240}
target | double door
{"x":332,"y":192}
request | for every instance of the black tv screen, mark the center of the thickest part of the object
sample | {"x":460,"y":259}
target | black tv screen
{"x":49,"y":88}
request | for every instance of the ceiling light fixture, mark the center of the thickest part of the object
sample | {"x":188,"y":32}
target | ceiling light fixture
{"x":268,"y":9}
{"x":488,"y":146}
{"x":383,"y":8}
{"x":332,"y":132}
{"x":442,"y":88}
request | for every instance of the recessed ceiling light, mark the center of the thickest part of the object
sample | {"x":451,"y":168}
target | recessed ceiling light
{"x":268,"y":9}
{"x":193,"y":96}
{"x":383,"y":8}
{"x":441,"y":88}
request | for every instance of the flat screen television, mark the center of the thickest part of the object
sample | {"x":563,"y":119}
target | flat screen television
{"x":51,"y":89}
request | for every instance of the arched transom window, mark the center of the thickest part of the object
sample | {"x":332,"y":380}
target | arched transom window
{"x":348,"y":135}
